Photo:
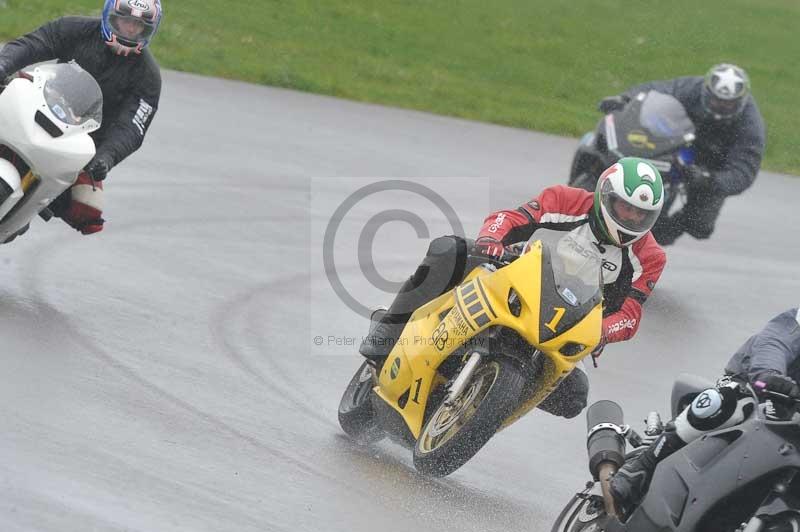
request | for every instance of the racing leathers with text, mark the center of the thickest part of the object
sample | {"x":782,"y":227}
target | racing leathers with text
{"x":630,"y":274}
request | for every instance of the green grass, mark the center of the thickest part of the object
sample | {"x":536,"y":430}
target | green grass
{"x":538,"y":64}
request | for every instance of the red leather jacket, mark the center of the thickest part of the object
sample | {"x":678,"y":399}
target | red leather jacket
{"x":630,"y":273}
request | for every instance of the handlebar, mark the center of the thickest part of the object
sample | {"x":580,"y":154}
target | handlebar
{"x":507,"y":258}
{"x":761,"y":388}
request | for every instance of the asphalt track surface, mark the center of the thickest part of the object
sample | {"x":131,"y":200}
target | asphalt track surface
{"x":163,"y":375}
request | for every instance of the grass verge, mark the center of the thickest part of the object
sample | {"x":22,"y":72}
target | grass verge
{"x":537,"y":64}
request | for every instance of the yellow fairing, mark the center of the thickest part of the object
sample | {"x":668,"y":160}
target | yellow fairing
{"x":438,"y":328}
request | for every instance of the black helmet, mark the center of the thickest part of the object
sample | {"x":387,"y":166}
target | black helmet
{"x":725,"y":91}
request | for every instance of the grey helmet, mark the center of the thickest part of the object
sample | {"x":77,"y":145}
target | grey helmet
{"x":726,"y":89}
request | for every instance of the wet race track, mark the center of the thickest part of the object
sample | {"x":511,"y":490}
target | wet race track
{"x":181,"y":371}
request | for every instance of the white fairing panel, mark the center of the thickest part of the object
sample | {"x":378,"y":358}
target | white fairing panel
{"x":55,"y":160}
{"x":58,"y":158}
{"x":10,"y":176}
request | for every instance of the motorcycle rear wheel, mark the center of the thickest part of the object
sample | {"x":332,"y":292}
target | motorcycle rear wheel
{"x":455,"y":433}
{"x":356,"y":416}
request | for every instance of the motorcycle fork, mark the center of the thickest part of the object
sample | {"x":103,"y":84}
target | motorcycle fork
{"x":463,"y":378}
{"x":605,"y":472}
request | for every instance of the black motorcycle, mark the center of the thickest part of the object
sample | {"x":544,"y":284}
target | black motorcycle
{"x":652,"y":126}
{"x":742,"y":479}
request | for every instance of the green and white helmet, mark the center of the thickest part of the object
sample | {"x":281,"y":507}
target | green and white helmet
{"x":627,"y":201}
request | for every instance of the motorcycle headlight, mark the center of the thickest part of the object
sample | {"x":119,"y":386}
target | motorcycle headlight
{"x":570,"y":349}
{"x":514,"y":304}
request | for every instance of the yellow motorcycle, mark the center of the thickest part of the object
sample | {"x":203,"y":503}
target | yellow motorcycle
{"x":474,"y":360}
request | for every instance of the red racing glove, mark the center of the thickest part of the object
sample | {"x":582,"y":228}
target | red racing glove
{"x":490,"y":247}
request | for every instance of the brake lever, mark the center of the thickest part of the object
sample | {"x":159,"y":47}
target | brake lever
{"x":762,"y":388}
{"x":505,"y":260}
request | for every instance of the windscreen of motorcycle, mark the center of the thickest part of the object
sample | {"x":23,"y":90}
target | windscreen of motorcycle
{"x":577,"y":264}
{"x":72,"y":95}
{"x":664,"y":116}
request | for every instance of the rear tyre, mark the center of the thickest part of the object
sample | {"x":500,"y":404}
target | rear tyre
{"x":454,"y":433}
{"x":356,"y":416}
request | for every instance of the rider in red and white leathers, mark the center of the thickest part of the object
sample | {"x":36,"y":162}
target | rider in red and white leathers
{"x":617,"y":217}
{"x":630,"y":273}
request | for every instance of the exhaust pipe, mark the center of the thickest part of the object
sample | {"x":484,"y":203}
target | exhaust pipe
{"x":606,"y":446}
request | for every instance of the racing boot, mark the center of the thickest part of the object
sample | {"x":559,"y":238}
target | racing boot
{"x":441,"y":270}
{"x":384,"y":332}
{"x":629,"y":485}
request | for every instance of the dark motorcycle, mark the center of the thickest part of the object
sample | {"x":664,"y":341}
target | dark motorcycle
{"x":742,"y":479}
{"x":652,"y":126}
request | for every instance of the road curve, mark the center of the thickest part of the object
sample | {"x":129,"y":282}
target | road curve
{"x":163,"y":375}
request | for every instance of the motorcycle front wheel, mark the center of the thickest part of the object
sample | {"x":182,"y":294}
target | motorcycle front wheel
{"x":584,"y":513}
{"x":455,"y":432}
{"x":356,"y":416}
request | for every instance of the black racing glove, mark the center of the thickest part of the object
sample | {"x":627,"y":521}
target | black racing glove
{"x":613,"y":103}
{"x":698,"y":178}
{"x":97,"y":168}
{"x":780,"y":384}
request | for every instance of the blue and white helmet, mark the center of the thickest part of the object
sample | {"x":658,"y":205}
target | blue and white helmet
{"x":128,"y":26}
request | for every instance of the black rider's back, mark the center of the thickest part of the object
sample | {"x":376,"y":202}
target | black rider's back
{"x":131,"y":85}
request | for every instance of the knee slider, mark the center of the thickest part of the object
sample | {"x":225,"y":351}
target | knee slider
{"x":575,"y":405}
{"x":575,"y":394}
{"x":572,"y":409}
{"x":580,"y":384}
{"x":444,"y":246}
{"x":444,"y":263}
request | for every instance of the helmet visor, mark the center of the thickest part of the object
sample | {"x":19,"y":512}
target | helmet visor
{"x":131,"y":29}
{"x":627,"y":216}
{"x":719,"y":106}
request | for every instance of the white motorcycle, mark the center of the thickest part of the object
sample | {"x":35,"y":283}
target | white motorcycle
{"x":46,"y":117}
